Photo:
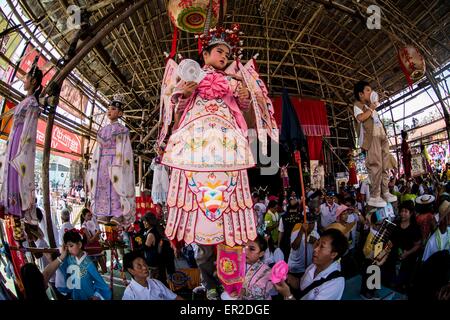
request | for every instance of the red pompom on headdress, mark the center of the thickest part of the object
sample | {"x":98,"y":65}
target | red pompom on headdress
{"x":220,"y":35}
{"x":79,"y":231}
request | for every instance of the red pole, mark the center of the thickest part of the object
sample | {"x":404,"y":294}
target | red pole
{"x":111,"y":269}
{"x":298,"y":159}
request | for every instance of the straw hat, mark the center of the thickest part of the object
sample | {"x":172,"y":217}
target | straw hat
{"x":344,"y":228}
{"x":425,"y":199}
{"x":444,"y":210}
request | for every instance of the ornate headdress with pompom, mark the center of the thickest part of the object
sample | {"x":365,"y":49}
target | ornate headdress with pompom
{"x":117,"y":101}
{"x":220,"y":35}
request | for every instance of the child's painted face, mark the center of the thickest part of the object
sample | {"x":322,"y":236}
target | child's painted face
{"x":27,"y":83}
{"x":253,"y":252}
{"x":140,"y":268}
{"x":114,"y":113}
{"x":365,"y":95}
{"x":218,"y":58}
{"x":323,"y":252}
{"x":74,"y":248}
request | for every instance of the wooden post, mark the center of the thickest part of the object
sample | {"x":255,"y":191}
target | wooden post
{"x":45,"y":176}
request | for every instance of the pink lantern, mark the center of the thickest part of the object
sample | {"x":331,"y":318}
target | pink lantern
{"x":191,"y":15}
{"x":412,"y":63}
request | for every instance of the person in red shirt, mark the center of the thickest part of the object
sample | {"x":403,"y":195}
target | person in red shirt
{"x":425,"y":218}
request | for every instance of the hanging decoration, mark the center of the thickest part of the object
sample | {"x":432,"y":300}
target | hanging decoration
{"x":412,"y":63}
{"x":353,"y":178}
{"x":231,"y":268}
{"x":191,"y":15}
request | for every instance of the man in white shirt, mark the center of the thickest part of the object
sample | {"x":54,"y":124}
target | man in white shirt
{"x":440,"y":239}
{"x":35,"y":239}
{"x":365,"y":191}
{"x":323,"y":279}
{"x":66,"y":225}
{"x":328,"y":211}
{"x":373,"y":139}
{"x":260,"y":209}
{"x":296,"y":261}
{"x":141,"y":286}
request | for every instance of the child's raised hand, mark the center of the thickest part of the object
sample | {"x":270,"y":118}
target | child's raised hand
{"x":63,"y":252}
{"x":188,"y":88}
{"x":243,"y":93}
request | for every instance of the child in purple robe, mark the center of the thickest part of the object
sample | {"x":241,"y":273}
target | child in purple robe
{"x":17,"y":163}
{"x":111,"y":175}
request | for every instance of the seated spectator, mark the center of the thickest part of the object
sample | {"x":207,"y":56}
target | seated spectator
{"x":142,"y":287}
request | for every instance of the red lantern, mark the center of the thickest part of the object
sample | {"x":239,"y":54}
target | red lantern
{"x":412,"y":63}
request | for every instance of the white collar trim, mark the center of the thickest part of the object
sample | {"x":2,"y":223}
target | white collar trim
{"x":80,"y":260}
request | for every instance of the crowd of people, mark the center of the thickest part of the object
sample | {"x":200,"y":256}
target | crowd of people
{"x":324,"y":236}
{"x":334,"y":245}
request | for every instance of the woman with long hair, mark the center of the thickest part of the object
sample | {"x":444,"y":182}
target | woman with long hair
{"x":92,"y":231}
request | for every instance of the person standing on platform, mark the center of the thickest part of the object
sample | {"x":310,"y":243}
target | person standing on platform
{"x":111,"y":175}
{"x":17,"y":164}
{"x":373,"y":140}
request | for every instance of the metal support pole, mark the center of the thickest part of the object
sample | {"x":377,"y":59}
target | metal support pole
{"x":435,"y":87}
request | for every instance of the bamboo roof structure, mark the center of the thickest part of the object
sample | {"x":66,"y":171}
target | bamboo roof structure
{"x":313,"y":48}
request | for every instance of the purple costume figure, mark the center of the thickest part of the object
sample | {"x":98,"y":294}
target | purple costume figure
{"x":17,"y":163}
{"x":111,"y":176}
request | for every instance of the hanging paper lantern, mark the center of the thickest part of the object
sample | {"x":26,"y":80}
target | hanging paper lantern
{"x":190,"y":15}
{"x":412,"y":63}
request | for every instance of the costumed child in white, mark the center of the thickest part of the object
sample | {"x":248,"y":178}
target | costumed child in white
{"x":160,"y":184}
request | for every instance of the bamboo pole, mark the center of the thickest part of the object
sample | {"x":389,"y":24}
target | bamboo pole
{"x":435,"y":87}
{"x":87,"y":152}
